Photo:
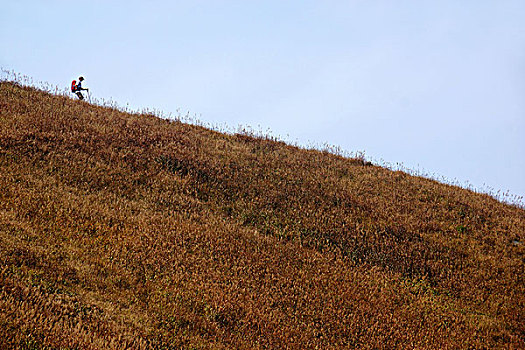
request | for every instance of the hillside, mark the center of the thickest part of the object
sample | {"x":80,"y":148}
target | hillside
{"x":128,"y":231}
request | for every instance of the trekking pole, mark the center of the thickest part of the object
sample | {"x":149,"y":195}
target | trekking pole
{"x":89,"y":96}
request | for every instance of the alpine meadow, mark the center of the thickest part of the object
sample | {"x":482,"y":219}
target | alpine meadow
{"x":125,"y":230}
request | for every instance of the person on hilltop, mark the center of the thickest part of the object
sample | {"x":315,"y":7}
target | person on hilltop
{"x":76,"y":88}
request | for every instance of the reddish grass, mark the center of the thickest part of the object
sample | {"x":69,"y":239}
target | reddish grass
{"x":122,"y":230}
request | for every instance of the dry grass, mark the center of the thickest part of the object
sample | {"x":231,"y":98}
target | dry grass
{"x":123,"y":230}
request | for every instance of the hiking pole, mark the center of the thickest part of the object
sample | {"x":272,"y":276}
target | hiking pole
{"x":89,"y":97}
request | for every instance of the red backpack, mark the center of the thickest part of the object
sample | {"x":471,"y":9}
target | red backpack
{"x":73,"y":86}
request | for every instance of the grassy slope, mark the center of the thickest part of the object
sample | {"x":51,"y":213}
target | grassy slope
{"x":127,"y":230}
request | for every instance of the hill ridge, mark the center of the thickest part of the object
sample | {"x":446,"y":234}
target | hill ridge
{"x":147,"y":232}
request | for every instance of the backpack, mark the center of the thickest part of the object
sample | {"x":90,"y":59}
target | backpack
{"x":73,"y":86}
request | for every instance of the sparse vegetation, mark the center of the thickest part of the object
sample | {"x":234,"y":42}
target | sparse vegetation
{"x":124,"y":230}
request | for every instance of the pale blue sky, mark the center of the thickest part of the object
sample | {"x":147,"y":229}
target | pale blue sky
{"x":438,"y":85}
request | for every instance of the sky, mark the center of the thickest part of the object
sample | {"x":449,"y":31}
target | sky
{"x":437,"y":86}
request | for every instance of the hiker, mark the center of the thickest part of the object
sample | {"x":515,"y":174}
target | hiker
{"x":76,"y":88}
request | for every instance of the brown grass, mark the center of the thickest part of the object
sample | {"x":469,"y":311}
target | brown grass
{"x":122,"y":230}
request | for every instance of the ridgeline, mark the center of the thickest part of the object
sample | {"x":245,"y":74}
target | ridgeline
{"x":123,"y":230}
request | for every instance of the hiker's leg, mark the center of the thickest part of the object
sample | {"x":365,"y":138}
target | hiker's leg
{"x":79,"y":94}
